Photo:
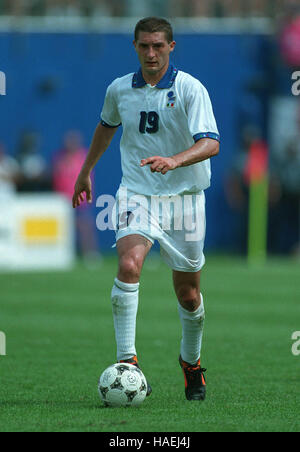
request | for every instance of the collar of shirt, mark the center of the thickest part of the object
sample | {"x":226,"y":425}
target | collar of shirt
{"x":166,"y":82}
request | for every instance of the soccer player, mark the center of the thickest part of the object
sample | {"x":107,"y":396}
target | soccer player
{"x":169,"y":135}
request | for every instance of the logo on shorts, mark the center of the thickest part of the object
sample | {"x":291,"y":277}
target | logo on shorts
{"x":171,"y":99}
{"x":125,"y":219}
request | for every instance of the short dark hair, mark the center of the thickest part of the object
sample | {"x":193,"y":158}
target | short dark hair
{"x":153,"y":25}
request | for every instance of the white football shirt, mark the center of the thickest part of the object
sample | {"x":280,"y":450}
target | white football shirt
{"x":162,"y":120}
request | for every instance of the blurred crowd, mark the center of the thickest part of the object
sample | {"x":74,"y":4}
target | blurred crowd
{"x":133,"y":8}
{"x":282,"y":58}
{"x":283,"y":193}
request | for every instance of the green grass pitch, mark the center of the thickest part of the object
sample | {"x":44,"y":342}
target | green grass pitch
{"x":60,"y":338}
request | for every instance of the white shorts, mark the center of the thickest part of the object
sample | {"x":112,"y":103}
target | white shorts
{"x":178,"y":223}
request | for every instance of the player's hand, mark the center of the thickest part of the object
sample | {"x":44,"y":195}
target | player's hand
{"x":160,"y":164}
{"x":83,"y":185}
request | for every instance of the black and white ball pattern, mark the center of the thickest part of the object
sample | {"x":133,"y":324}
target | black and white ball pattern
{"x":122,"y":384}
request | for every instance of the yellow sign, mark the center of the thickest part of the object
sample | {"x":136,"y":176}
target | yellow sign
{"x":40,"y":230}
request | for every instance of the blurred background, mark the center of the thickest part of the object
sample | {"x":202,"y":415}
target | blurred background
{"x":59,"y":56}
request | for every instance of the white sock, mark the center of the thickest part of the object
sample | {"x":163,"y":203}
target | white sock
{"x":125,"y":299}
{"x":192,"y":332}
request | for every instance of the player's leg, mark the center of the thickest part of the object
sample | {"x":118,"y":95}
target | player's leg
{"x":132,"y":251}
{"x":191,"y":313}
{"x":182,"y":250}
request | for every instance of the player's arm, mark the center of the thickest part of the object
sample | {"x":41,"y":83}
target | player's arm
{"x":200,"y":151}
{"x":101,"y":140}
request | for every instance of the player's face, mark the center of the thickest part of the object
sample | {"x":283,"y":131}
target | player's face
{"x":153,"y":51}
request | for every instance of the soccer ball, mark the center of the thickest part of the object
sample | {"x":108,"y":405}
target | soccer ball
{"x":122,"y":384}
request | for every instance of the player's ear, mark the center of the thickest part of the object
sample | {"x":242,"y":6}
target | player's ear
{"x":134,"y":43}
{"x":172,"y":46}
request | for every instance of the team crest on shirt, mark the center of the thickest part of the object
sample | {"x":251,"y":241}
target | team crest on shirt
{"x":171,"y":99}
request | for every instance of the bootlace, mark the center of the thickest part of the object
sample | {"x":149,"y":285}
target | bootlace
{"x":194,"y":371}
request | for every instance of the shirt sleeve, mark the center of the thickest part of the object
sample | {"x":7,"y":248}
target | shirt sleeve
{"x":110,"y":116}
{"x":201,"y":119}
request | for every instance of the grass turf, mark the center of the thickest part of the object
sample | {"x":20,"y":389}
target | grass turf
{"x":60,"y":338}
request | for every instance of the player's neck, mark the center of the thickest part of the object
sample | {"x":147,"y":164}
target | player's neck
{"x":153,"y":79}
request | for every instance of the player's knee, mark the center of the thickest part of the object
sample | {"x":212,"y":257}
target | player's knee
{"x":129,"y":268}
{"x":189,"y":298}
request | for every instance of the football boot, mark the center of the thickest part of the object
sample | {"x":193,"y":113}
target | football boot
{"x":195,"y":385}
